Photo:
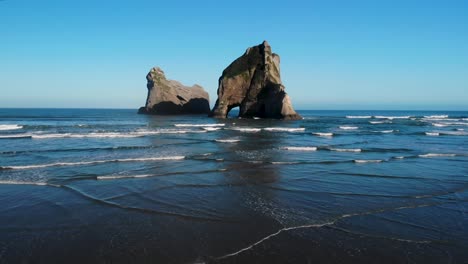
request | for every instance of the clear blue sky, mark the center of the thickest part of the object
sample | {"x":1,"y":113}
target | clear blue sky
{"x":334,"y":54}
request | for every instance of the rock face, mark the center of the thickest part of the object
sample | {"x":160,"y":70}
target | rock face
{"x":168,"y":97}
{"x":253,"y":83}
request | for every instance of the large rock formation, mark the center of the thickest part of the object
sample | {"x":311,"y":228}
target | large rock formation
{"x":253,"y":83}
{"x":171,"y":97}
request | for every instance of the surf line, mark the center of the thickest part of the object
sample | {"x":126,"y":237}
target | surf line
{"x":328,"y":224}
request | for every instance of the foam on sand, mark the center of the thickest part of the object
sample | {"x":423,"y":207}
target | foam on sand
{"x":359,"y":117}
{"x":10,"y":127}
{"x":432,"y":155}
{"x":199,"y":125}
{"x":345,"y":150}
{"x":349,"y":127}
{"x":322,"y":134}
{"x":228,"y":140}
{"x":61,"y":164}
{"x":300,"y":148}
{"x":367,"y":161}
{"x":284,"y":129}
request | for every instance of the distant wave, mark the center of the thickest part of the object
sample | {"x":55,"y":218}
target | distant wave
{"x":227,"y":140}
{"x":322,"y":134}
{"x":349,"y":127}
{"x":61,"y":164}
{"x":246,"y":129}
{"x":439,"y":125}
{"x":284,"y":129}
{"x":367,"y":161}
{"x":133,"y":134}
{"x":300,"y":148}
{"x":10,"y":127}
{"x":431,"y":155}
{"x":199,"y":125}
{"x":432,"y":133}
{"x":436,"y":116}
{"x":384,"y":131}
{"x":392,"y":117}
{"x":363,"y":117}
{"x":380,"y":122}
{"x":345,"y":150}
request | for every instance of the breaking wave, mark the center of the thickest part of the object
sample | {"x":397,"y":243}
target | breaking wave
{"x":227,"y":140}
{"x":349,"y":127}
{"x":345,"y":150}
{"x":367,"y":161}
{"x":246,"y":129}
{"x":199,"y":125}
{"x":10,"y":127}
{"x":300,"y":148}
{"x":321,"y":134}
{"x":359,"y":117}
{"x":284,"y":129}
{"x":432,"y":155}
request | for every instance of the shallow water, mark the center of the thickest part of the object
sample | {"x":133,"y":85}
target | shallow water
{"x":338,"y":186}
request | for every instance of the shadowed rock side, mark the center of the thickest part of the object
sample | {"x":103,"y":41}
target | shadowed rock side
{"x":253,"y":83}
{"x":168,"y":97}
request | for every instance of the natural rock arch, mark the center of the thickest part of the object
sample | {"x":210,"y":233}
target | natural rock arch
{"x":253,"y":83}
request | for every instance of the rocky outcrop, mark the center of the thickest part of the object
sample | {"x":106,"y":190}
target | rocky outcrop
{"x":253,"y":83}
{"x":168,"y":97}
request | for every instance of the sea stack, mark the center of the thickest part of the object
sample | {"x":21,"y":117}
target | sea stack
{"x":253,"y":83}
{"x":169,"y":97}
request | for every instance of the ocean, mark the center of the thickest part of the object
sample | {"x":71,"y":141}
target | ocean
{"x":112,"y":186}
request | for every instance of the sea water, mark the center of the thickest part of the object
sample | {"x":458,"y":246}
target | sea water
{"x":87,"y":185}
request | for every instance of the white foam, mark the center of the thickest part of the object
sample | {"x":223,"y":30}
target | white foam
{"x":367,"y":161}
{"x":379,"y":122}
{"x":439,"y":125}
{"x":227,"y":140}
{"x":60,"y":164}
{"x":320,"y":134}
{"x":436,"y":116}
{"x":246,"y":129}
{"x":199,"y":125}
{"x":392,"y":117}
{"x":346,"y":150}
{"x":349,"y":127}
{"x":431,"y":155}
{"x":23,"y":183}
{"x":89,"y":135}
{"x":211,"y":128}
{"x":10,"y":127}
{"x":432,"y":133}
{"x":359,"y":117}
{"x":300,"y":148}
{"x":16,"y":136}
{"x":283,"y":162}
{"x":284,"y":129}
{"x":454,"y":133}
{"x":460,"y":129}
{"x":256,"y":117}
{"x":384,"y":131}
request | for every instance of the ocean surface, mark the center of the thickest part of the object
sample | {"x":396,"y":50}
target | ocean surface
{"x":111,"y":186}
